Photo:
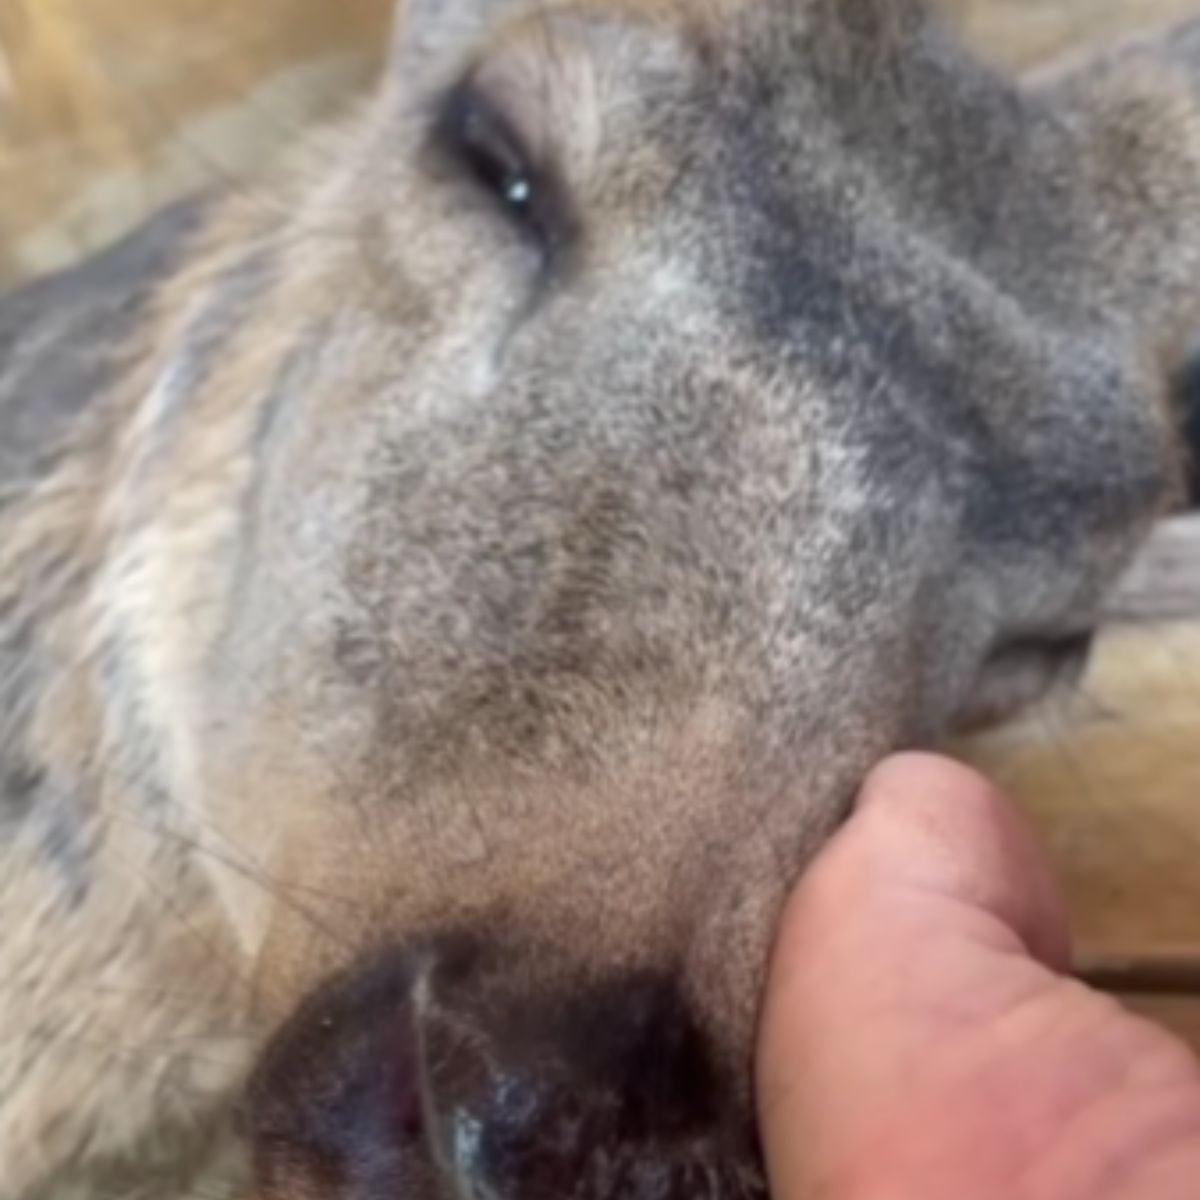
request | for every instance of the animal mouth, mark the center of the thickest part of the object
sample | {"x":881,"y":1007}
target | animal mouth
{"x":1063,"y":657}
{"x":1023,"y":670}
{"x":410,"y":1078}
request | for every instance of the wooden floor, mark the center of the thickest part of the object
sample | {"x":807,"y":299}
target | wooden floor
{"x":1111,"y":777}
{"x":107,"y":107}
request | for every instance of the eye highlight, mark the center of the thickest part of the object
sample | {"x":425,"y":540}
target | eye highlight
{"x":480,"y":140}
{"x":483,"y":145}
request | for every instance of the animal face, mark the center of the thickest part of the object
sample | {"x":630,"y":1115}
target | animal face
{"x":674,"y":439}
{"x":639,"y":419}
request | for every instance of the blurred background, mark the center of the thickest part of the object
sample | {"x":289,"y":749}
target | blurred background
{"x":109,"y":108}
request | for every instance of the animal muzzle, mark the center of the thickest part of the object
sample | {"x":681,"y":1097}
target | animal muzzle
{"x":429,"y":1073}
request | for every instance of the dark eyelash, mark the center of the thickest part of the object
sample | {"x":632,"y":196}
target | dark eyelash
{"x":482,"y":141}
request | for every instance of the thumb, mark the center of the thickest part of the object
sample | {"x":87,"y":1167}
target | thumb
{"x":925,"y":918}
{"x":925,"y":824}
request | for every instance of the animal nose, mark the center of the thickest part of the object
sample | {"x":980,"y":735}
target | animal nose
{"x":410,"y":1078}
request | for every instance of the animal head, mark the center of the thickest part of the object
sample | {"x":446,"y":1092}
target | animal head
{"x":523,"y":535}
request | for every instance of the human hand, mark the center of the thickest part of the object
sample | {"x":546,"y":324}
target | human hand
{"x":921,"y":1040}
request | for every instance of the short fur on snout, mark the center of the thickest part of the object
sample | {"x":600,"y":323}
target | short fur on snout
{"x":521,"y":529}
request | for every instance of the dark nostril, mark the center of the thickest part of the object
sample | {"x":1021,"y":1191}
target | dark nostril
{"x":335,"y":1103}
{"x":603,"y":1090}
{"x":1192,"y":431}
{"x":410,"y":1116}
{"x":1187,"y":401}
{"x":402,"y":1080}
{"x":638,"y":1033}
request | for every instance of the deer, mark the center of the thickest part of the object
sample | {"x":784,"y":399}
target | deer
{"x":450,"y":589}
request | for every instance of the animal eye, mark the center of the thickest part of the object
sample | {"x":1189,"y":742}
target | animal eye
{"x":486,"y":145}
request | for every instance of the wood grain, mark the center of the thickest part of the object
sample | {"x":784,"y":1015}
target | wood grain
{"x":1179,"y":1014}
{"x":1020,"y":33}
{"x":1111,"y":777}
{"x":109,"y":108}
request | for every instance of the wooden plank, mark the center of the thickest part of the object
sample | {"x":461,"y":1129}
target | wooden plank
{"x":1113,"y":782}
{"x":110,"y":108}
{"x":1019,"y":33}
{"x":1111,"y":778}
{"x":1179,"y":1014}
{"x":1139,"y":972}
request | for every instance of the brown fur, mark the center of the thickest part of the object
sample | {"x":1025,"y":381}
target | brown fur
{"x":473,"y":632}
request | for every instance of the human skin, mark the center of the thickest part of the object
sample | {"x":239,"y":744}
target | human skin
{"x":921,"y":1039}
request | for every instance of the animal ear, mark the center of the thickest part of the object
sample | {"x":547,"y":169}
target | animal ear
{"x":1124,"y":133}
